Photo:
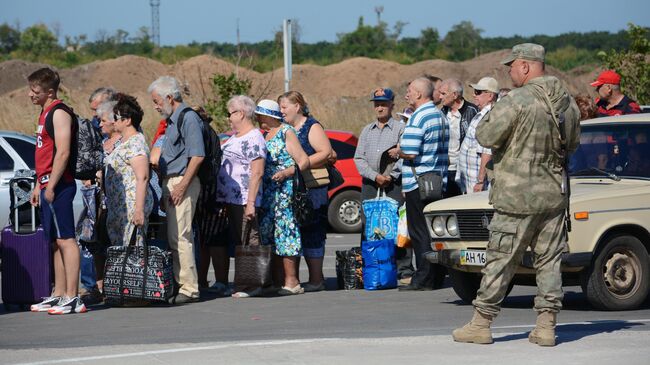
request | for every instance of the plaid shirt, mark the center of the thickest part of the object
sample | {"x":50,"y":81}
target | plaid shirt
{"x":469,"y":158}
{"x":373,"y":141}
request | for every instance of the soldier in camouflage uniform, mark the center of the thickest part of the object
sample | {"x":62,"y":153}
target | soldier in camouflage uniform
{"x":528,"y":192}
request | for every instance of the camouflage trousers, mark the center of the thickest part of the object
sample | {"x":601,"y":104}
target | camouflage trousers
{"x":510,"y":236}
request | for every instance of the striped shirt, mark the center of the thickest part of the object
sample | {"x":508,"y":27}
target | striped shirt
{"x":469,"y":159}
{"x":423,"y":138}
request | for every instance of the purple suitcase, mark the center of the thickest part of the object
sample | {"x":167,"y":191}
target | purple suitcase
{"x":26,"y":267}
{"x":26,"y":261}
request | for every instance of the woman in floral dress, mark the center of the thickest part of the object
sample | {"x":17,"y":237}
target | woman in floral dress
{"x":278,"y":224}
{"x":128,"y":198}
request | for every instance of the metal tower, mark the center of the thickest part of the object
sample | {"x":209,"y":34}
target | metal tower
{"x":155,"y":22}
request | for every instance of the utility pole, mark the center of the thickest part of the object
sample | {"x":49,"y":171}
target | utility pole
{"x":286,"y":28}
{"x":379,"y":10}
{"x":155,"y":22}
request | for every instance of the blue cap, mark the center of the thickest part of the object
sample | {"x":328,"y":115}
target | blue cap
{"x":383,"y":94}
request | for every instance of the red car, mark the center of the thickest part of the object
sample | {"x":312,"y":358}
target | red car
{"x":344,"y":212}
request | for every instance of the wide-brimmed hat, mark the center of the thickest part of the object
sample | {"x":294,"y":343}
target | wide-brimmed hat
{"x":406,"y":113}
{"x":269,"y":108}
{"x":486,"y":84}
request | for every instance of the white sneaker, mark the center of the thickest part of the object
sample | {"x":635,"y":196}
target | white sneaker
{"x":46,"y":304}
{"x":67,"y":306}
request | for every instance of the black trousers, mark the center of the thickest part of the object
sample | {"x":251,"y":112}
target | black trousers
{"x":420,"y":240}
{"x":452,"y":188}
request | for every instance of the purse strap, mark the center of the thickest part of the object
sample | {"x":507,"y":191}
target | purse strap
{"x":246,"y":233}
{"x":298,"y":181}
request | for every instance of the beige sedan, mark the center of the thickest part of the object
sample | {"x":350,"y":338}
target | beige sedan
{"x":610,"y":217}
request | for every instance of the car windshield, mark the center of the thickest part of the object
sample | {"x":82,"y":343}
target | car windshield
{"x":613,"y":151}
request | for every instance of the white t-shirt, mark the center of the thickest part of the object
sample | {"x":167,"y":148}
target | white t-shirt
{"x":453,"y":118}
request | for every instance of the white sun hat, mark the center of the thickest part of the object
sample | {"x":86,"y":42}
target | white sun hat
{"x":269,"y":108}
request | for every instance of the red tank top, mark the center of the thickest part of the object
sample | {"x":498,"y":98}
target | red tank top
{"x":45,"y":148}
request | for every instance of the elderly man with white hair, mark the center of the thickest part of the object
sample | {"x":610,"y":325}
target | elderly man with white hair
{"x":473,"y":158}
{"x":458,"y":112}
{"x":182,"y":154}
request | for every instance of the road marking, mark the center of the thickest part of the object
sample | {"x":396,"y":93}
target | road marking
{"x":287,"y":342}
{"x":171,"y":351}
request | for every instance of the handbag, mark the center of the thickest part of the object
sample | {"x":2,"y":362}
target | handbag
{"x":316,"y":178}
{"x":138,"y":272}
{"x":336,"y":179}
{"x":379,"y":266}
{"x":381,"y":217}
{"x":303,"y":209}
{"x":403,"y":239}
{"x":252,"y":262}
{"x":349,"y":269}
{"x":430,"y":183}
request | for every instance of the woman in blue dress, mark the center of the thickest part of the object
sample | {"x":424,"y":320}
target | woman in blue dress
{"x":315,"y":143}
{"x":278,"y":225}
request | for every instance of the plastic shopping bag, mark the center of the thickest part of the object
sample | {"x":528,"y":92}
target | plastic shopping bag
{"x":403,"y":239}
{"x":381,"y":217}
{"x":379,"y":266}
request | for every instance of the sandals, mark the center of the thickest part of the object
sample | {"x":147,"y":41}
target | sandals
{"x":291,"y":291}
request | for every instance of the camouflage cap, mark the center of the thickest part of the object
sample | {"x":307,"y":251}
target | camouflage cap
{"x":526,"y":51}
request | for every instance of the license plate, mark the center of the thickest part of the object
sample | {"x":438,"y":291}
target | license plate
{"x":472,"y":258}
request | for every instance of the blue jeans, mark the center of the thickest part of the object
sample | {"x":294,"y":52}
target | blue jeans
{"x":88,"y":275}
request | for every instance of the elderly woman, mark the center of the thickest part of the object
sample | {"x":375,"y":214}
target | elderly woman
{"x":315,"y":143}
{"x":278,"y":224}
{"x":128,"y":198}
{"x":238,"y":183}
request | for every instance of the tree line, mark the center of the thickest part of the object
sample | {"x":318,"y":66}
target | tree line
{"x":40,"y":43}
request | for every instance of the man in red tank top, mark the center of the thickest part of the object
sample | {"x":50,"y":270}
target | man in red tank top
{"x":55,"y":190}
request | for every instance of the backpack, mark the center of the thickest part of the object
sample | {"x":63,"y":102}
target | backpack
{"x":211,"y":164}
{"x":86,"y":151}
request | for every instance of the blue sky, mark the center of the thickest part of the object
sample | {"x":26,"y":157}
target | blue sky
{"x":203,"y":20}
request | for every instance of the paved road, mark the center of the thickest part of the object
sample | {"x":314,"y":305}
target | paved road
{"x":322,"y":328}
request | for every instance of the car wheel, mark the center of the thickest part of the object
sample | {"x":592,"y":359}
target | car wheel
{"x":344,"y":212}
{"x":465,"y":284}
{"x":619,"y":278}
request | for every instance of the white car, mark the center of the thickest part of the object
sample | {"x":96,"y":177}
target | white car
{"x":609,"y":242}
{"x":16,"y":153}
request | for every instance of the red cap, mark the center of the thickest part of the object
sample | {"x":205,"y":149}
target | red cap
{"x":607,"y":77}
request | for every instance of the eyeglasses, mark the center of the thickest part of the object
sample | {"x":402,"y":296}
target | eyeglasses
{"x":117,"y":117}
{"x":233,"y":112}
{"x":478,"y":92}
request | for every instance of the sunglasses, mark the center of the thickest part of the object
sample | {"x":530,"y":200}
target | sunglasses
{"x":478,"y":92}
{"x":232,"y":112}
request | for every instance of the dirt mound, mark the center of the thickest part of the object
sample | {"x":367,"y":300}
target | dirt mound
{"x":13,"y":74}
{"x":337,"y":93}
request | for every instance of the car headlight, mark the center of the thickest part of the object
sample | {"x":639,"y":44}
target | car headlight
{"x":438,"y":226}
{"x":452,"y":225}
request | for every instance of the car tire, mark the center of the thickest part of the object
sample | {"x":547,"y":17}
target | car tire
{"x":344,"y":212}
{"x":465,"y":284}
{"x":619,"y":278}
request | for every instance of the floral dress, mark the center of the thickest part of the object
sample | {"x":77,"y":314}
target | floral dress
{"x":278,"y":224}
{"x":120,"y":192}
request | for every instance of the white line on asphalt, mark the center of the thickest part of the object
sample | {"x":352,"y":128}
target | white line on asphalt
{"x":171,"y":351}
{"x":273,"y":343}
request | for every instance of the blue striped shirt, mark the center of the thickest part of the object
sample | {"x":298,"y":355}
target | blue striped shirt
{"x":422,"y":137}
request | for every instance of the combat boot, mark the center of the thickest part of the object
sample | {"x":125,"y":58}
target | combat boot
{"x":544,"y":332}
{"x":476,"y":331}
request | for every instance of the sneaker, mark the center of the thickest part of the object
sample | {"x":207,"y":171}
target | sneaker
{"x":219,"y":289}
{"x":46,"y":304}
{"x":71,"y":305}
